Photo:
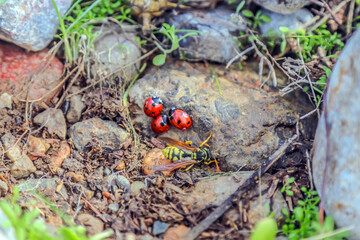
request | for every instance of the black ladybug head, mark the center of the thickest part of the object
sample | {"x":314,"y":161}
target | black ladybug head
{"x":165,"y":120}
{"x":156,"y":100}
{"x":171,"y":112}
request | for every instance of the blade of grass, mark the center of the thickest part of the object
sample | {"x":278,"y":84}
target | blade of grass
{"x":83,"y":14}
{"x":132,"y":83}
{"x":64,"y":32}
{"x":216,"y":79}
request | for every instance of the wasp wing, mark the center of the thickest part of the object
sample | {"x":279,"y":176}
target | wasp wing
{"x":177,"y":143}
{"x":175,"y":165}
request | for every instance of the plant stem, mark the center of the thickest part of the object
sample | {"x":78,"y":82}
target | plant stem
{"x":132,"y":83}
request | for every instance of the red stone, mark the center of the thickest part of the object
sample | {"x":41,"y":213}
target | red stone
{"x":18,"y":66}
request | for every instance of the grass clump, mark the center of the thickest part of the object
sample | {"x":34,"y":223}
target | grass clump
{"x":304,"y":222}
{"x":28,"y":225}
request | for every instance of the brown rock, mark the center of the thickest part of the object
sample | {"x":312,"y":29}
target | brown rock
{"x":153,"y":158}
{"x":22,"y":166}
{"x":93,"y":225}
{"x":37,"y":146}
{"x":246,"y":120}
{"x":54,"y":120}
{"x":215,"y":190}
{"x":175,"y":233}
{"x":64,"y":152}
{"x":75,"y":177}
{"x":108,"y":133}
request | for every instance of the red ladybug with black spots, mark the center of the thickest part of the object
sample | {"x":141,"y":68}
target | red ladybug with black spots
{"x":160,"y":124}
{"x":153,"y":106}
{"x":179,"y":119}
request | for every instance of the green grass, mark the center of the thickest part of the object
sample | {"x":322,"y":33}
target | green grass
{"x":77,"y":26}
{"x":303,"y":221}
{"x":28,"y":225}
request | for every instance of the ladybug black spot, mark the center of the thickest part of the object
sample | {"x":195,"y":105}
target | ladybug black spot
{"x":154,"y":124}
{"x":153,"y":112}
{"x":178,"y":121}
{"x":188,"y":123}
{"x":162,"y":124}
{"x":146,"y":107}
{"x":171,"y":117}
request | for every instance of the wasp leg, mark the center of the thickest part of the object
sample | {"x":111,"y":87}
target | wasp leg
{"x":204,"y":143}
{"x":187,"y":168}
{"x":188,"y":143}
{"x":216,"y":163}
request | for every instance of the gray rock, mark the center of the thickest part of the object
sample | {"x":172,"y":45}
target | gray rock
{"x":3,"y":188}
{"x":216,"y":40}
{"x":342,"y":186}
{"x":123,"y":183}
{"x":5,"y":101}
{"x":72,"y":165}
{"x":46,"y":186}
{"x":113,"y":207}
{"x":215,"y":190}
{"x":159,"y":227}
{"x":76,"y":107}
{"x":108,"y":133}
{"x":30,"y":24}
{"x":115,"y":49}
{"x":54,"y":120}
{"x":282,"y":6}
{"x":291,"y":21}
{"x":136,"y":186}
{"x":244,"y":121}
{"x":22,"y":166}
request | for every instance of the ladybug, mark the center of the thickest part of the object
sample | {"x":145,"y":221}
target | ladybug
{"x":179,"y":119}
{"x":160,"y":124}
{"x":153,"y":106}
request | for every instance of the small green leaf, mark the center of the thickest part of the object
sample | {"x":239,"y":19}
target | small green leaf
{"x":247,"y":13}
{"x":299,"y":214}
{"x":265,"y":229}
{"x":240,"y":6}
{"x":285,"y":212}
{"x":265,"y":18}
{"x":301,"y":203}
{"x":159,"y":59}
{"x":3,"y":1}
{"x":284,"y":30}
{"x":291,"y":180}
{"x":289,"y":193}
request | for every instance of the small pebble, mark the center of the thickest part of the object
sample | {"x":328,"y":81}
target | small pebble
{"x":39,"y":174}
{"x":5,"y":101}
{"x":89,"y":194}
{"x":136,"y":186}
{"x":123,"y":183}
{"x":114,"y":207}
{"x":159,"y":227}
{"x":72,"y":165}
{"x":107,"y":171}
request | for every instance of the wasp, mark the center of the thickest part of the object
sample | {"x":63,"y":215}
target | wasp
{"x":183,"y":154}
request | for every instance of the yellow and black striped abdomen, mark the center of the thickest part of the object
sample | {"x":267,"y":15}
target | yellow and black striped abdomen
{"x":174,"y":153}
